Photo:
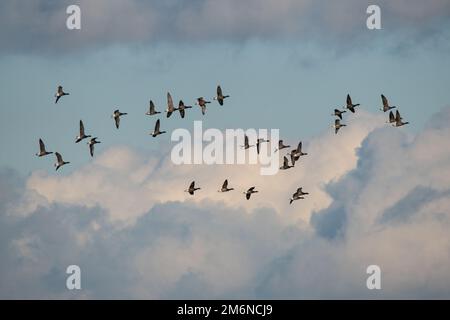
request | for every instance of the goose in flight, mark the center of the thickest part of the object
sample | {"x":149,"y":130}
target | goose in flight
{"x":170,"y":108}
{"x":152,"y":110}
{"x":338,"y":113}
{"x":116,"y":116}
{"x":286,"y":165}
{"x":59,"y":161}
{"x":398,"y":120}
{"x":386,"y":106}
{"x":298,"y":195}
{"x":297,"y":153}
{"x":281,"y":146}
{"x":42,"y":152}
{"x":225,"y":187}
{"x":338,"y":125}
{"x":249,"y":192}
{"x":156,"y":132}
{"x":91,"y":144}
{"x":182,"y":107}
{"x":258,"y":143}
{"x":246,"y":144}
{"x":220,"y":97}
{"x":59,"y":93}
{"x":192,"y":188}
{"x":391,"y":117}
{"x":201,"y":102}
{"x":81,"y":135}
{"x":350,"y":106}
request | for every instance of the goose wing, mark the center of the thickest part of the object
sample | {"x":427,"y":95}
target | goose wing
{"x":349,"y":100}
{"x":299,"y":147}
{"x":91,"y":149}
{"x":60,"y":89}
{"x":397,"y":116}
{"x":59,"y":157}
{"x":152,"y":107}
{"x":157,"y":124}
{"x":225,"y":184}
{"x":247,"y":196}
{"x":251,"y":189}
{"x":391,"y":117}
{"x":219,"y":92}
{"x":81,"y":129}
{"x":337,"y":122}
{"x":385,"y":101}
{"x":41,"y":146}
{"x":192,"y":185}
{"x":246,"y":141}
{"x":117,"y":120}
{"x":285,"y":162}
{"x":170,"y":107}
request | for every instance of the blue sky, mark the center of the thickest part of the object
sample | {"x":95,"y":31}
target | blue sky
{"x":286,"y":64}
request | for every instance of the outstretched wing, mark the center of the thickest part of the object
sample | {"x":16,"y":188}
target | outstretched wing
{"x":219,"y":92}
{"x":225,"y":184}
{"x":246,"y":141}
{"x":117,"y":120}
{"x":182,"y":113}
{"x":391,"y":117}
{"x":169,"y":102}
{"x":192,"y":185}
{"x":157,"y":125}
{"x":251,"y":189}
{"x":349,"y":100}
{"x":299,"y":147}
{"x":247,"y":195}
{"x":152,"y":107}
{"x":91,"y":149}
{"x":385,"y":101}
{"x":58,"y":157}
{"x":41,"y":146}
{"x":81,"y":128}
{"x":285,"y":161}
{"x":397,"y":116}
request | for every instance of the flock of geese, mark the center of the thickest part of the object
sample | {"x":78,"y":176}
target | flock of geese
{"x":294,"y":154}
{"x":396,"y":121}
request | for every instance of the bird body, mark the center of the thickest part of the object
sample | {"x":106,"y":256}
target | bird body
{"x":350,"y":106}
{"x":192,"y":188}
{"x":59,"y":161}
{"x":338,"y":113}
{"x":170,"y":107}
{"x":201,"y":102}
{"x":338,"y":125}
{"x":81,"y":135}
{"x":220,"y":97}
{"x":298,"y":195}
{"x":249,"y":192}
{"x":91,"y":144}
{"x":182,"y":107}
{"x":286,"y":165}
{"x":116,"y":116}
{"x":42,"y":152}
{"x":225,"y":187}
{"x":152,"y":110}
{"x":398,"y":120}
{"x":386,"y":106}
{"x":156,"y":132}
{"x":281,"y":146}
{"x":60,"y":93}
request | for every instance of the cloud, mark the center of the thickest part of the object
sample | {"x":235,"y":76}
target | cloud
{"x":383,"y":201}
{"x":40,"y":25}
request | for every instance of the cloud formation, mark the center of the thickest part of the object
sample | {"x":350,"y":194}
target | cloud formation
{"x":40,"y":25}
{"x":384,"y":201}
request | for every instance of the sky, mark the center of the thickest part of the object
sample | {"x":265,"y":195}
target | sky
{"x":378,"y":195}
